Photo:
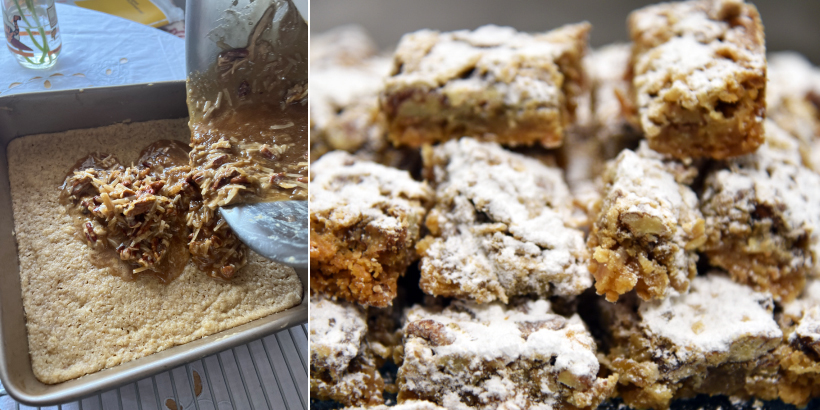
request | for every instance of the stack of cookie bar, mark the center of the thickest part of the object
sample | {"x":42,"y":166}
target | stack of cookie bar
{"x":515,"y":221}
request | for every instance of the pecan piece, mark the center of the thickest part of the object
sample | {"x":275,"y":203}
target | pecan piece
{"x":89,"y":233}
{"x":432,"y":331}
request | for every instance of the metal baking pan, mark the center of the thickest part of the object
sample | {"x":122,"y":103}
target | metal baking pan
{"x":24,"y":114}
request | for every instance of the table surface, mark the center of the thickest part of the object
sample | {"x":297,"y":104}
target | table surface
{"x":99,"y":50}
{"x":104,"y":50}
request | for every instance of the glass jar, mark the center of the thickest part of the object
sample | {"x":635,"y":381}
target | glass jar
{"x":32,"y":33}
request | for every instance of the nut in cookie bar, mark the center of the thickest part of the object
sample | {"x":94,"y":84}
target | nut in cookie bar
{"x":493,"y":83}
{"x":364,"y":224}
{"x":699,"y":77}
{"x":489,"y":356}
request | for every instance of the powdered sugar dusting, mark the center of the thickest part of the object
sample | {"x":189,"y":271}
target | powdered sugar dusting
{"x":717,"y":316}
{"x":688,"y":55}
{"x":337,"y":330}
{"x":336,"y":86}
{"x":499,"y":225}
{"x":490,"y":351}
{"x":349,"y":191}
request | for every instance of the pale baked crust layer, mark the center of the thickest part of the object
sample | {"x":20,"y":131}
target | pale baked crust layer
{"x":699,"y":80}
{"x":81,"y":318}
{"x":493,"y":83}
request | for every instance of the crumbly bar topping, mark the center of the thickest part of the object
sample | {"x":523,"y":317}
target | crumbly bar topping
{"x":345,"y":191}
{"x":459,"y":353}
{"x":342,"y":367}
{"x":494,"y":82}
{"x":793,"y":101}
{"x":647,"y":228}
{"x":434,"y":59}
{"x":699,"y":76}
{"x":337,"y":330}
{"x":498,"y":228}
{"x":437,"y":58}
{"x":335,"y":87}
{"x":771,"y":197}
{"x":346,"y":45}
{"x":717,"y":318}
{"x":530,"y":330}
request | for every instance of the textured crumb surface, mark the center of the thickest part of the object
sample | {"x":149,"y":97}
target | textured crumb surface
{"x":793,"y":101}
{"x":342,"y":367}
{"x":457,"y":359}
{"x":493,"y":83}
{"x":708,"y":341}
{"x":762,"y":217}
{"x":798,"y":355}
{"x":612,"y":109}
{"x":344,"y":113}
{"x":646,"y":230}
{"x":81,"y":318}
{"x":344,"y":45}
{"x":364,"y":223}
{"x":499,"y":226}
{"x":700,"y":77}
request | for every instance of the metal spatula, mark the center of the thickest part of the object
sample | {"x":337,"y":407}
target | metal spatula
{"x":276,"y":230}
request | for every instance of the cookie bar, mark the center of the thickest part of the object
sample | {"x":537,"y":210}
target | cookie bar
{"x":700,"y":77}
{"x":493,"y":83}
{"x":762,"y":218}
{"x":347,"y":45}
{"x":706,"y":341}
{"x":613,"y":111}
{"x":472,"y":356}
{"x":799,"y":356}
{"x":498,"y":227}
{"x":364,"y":225}
{"x":793,"y":102}
{"x":344,"y":114}
{"x":342,"y":368}
{"x":647,"y":229}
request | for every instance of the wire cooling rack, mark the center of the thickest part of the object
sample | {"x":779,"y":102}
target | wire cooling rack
{"x":269,"y":373}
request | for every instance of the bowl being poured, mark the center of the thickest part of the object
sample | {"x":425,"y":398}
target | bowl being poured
{"x":247,"y":101}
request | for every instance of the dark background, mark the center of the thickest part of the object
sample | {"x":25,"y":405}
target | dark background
{"x":790,"y":24}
